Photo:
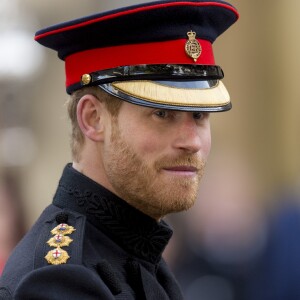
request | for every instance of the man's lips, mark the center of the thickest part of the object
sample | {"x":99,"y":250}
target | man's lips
{"x":181,"y":169}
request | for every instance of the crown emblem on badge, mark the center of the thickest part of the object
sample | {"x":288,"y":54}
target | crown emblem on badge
{"x":192,"y":47}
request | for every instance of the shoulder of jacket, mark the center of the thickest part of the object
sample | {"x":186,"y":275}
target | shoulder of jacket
{"x":62,"y":282}
{"x":30,"y":254}
{"x":60,"y":238}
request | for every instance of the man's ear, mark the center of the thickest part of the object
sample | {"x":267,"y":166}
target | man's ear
{"x":90,"y":117}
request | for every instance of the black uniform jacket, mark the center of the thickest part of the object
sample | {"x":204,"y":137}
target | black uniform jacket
{"x":115,"y":252}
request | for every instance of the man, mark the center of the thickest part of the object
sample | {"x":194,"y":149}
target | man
{"x":142,"y":81}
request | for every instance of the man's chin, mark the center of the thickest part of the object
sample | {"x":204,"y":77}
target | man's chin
{"x":180,"y":204}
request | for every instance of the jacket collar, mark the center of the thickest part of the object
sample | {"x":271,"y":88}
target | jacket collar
{"x":134,"y":231}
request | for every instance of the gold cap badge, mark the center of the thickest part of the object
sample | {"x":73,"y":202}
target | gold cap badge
{"x":192,"y":46}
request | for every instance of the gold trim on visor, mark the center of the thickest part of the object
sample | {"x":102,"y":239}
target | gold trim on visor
{"x":158,"y":93}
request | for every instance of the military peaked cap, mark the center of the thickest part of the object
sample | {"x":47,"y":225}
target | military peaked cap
{"x":156,"y":54}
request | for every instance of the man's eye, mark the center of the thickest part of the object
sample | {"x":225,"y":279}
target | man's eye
{"x":199,"y":115}
{"x":161,"y":113}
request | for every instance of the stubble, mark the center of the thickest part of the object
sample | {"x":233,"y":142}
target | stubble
{"x":143,"y":185}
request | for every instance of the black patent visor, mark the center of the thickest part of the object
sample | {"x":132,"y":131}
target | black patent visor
{"x":167,"y":72}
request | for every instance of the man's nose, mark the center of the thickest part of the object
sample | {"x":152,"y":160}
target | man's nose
{"x":190,"y":136}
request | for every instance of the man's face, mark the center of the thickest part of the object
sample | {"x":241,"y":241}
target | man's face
{"x":154,"y":158}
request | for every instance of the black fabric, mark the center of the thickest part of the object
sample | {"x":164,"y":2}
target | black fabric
{"x":115,"y":252}
{"x":135,"y":279}
{"x":5,"y":294}
{"x":160,"y":23}
{"x":62,"y":218}
{"x":108,"y":275}
{"x":73,"y":281}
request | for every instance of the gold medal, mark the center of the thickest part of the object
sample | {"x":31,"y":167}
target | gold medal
{"x":192,"y":47}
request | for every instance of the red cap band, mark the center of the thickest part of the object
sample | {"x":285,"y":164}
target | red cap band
{"x":166,"y":52}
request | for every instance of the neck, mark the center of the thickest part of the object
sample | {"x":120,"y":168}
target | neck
{"x":95,"y":171}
